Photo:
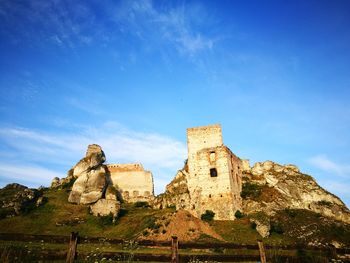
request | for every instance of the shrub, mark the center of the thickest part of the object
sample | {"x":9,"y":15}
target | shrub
{"x":291,"y":213}
{"x":68,"y":185}
{"x":208,"y":216}
{"x":150,"y":222}
{"x":141,"y":204}
{"x":324,"y":203}
{"x":277,"y":227}
{"x":250,"y":190}
{"x":239,"y":214}
{"x":106,"y":220}
{"x":253,"y":225}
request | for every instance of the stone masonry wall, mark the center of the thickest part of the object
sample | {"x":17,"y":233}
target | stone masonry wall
{"x":214,"y":179}
{"x":132,"y":182}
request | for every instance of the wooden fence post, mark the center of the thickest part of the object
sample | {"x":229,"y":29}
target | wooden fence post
{"x":262,"y":251}
{"x":174,"y":249}
{"x":333,"y":251}
{"x":72,"y":247}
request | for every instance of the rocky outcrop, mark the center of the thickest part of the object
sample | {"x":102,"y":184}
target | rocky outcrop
{"x":104,"y":207}
{"x":176,"y":193}
{"x":92,"y":185}
{"x":89,"y":187}
{"x":93,"y":159}
{"x":270,"y":187}
{"x":91,"y":175}
{"x":107,"y":206}
{"x":16,"y":199}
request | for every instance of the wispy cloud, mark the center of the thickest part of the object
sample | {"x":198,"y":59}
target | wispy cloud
{"x":29,"y":174}
{"x":177,"y":25}
{"x":50,"y":21}
{"x":324,"y":163}
{"x":39,"y":153}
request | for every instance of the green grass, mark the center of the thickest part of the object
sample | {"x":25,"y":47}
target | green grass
{"x":250,"y":190}
{"x":58,"y":217}
{"x":238,"y":231}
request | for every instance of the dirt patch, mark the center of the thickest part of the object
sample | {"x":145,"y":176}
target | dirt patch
{"x":183,"y":225}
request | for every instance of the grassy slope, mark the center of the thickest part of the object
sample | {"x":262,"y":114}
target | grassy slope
{"x":58,"y":217}
{"x":57,"y":210}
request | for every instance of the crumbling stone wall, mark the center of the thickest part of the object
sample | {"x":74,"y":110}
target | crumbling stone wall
{"x":215,"y":174}
{"x":132,"y":182}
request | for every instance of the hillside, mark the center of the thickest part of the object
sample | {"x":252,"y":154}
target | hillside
{"x":138,"y":221}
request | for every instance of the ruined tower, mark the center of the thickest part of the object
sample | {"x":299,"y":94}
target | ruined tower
{"x":215,"y":177}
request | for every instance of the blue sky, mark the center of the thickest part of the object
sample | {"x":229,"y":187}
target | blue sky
{"x":133,"y":75}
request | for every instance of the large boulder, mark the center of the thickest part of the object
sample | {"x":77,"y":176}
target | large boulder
{"x":107,"y":206}
{"x":94,"y":158}
{"x":89,"y":187}
{"x":104,"y":207}
{"x":90,"y":174}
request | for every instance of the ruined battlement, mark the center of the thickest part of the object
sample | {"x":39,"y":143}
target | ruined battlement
{"x":215,"y":173}
{"x":204,"y":137}
{"x":128,"y":167}
{"x":133,"y":182}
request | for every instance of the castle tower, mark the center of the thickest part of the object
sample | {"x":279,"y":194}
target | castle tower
{"x":215,"y":177}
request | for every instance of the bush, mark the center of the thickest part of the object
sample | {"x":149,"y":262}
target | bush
{"x":250,"y":190}
{"x":239,"y":214}
{"x":325,"y":203}
{"x":253,"y":225}
{"x":106,"y":220}
{"x":208,"y":216}
{"x":150,"y":222}
{"x":141,"y":204}
{"x":277,"y":227}
{"x":291,"y":213}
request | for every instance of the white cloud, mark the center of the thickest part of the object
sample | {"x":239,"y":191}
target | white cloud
{"x":324,"y":163}
{"x":34,"y":175}
{"x":158,"y":153}
{"x":175,"y":25}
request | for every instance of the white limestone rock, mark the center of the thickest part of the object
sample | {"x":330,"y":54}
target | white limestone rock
{"x":55,"y":182}
{"x":262,"y":227}
{"x":89,"y":187}
{"x":291,"y":189}
{"x":104,"y":207}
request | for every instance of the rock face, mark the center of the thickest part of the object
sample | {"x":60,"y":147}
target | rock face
{"x":16,"y":198}
{"x":92,"y":184}
{"x":91,"y":179}
{"x":269,"y":187}
{"x":108,"y":205}
{"x":104,"y":207}
{"x":93,"y":159}
{"x":176,"y":193}
{"x":89,"y":187}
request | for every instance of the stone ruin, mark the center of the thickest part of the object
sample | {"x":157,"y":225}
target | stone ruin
{"x":132,"y":181}
{"x":211,"y":178}
{"x":104,"y":187}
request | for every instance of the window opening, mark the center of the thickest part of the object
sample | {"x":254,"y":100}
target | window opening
{"x":213,"y":172}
